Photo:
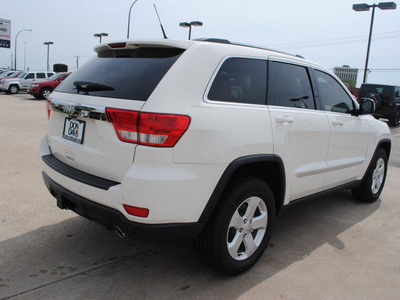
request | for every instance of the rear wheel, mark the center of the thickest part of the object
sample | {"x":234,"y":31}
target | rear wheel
{"x":394,"y":121}
{"x":240,"y":228}
{"x":371,"y":187}
{"x":44,"y":93}
{"x":13,"y":89}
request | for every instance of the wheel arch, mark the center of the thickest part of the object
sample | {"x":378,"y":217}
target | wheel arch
{"x":269,"y":168}
{"x":386,"y":145}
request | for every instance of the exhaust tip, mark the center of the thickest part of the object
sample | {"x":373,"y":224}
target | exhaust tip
{"x":120,"y":232}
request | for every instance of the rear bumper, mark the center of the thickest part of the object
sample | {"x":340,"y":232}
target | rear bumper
{"x":112,"y":218}
{"x":383,"y":113}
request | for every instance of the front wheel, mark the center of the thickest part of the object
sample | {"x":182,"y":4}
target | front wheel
{"x":240,"y":228}
{"x":371,"y":187}
{"x":13,"y":89}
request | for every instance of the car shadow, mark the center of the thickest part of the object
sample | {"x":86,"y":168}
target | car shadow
{"x":77,"y":258}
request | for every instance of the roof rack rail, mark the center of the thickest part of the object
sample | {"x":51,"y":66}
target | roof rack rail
{"x":225,"y":41}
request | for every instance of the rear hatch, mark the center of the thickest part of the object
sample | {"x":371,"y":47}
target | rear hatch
{"x":121,"y":77}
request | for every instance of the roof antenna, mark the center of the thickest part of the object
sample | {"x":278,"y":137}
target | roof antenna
{"x":159,"y":20}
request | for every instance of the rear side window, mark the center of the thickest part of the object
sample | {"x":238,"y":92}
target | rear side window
{"x":240,"y":80}
{"x":397,"y":92}
{"x":40,"y":75}
{"x":332,"y":94}
{"x":290,"y":86}
{"x":127,"y":73}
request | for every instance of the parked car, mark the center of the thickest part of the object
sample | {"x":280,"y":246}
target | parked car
{"x":14,"y":85}
{"x":170,"y":139}
{"x":387,"y":99}
{"x":13,"y":74}
{"x":42,"y":89}
{"x":6,"y":74}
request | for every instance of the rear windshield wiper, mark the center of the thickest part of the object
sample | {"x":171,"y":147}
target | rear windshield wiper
{"x":87,"y":86}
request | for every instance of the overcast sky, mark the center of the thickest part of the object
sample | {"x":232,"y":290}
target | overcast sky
{"x":327,"y":32}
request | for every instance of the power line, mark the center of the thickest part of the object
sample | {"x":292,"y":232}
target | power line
{"x":338,"y":41}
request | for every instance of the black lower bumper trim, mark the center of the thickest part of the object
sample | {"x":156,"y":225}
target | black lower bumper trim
{"x":77,"y":175}
{"x":112,"y":218}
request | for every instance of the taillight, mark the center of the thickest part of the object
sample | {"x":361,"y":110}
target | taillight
{"x":48,"y":108}
{"x":159,"y":130}
{"x":125,"y":124}
{"x":391,"y":103}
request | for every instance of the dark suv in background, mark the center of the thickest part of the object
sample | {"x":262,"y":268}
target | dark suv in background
{"x":387,"y":100}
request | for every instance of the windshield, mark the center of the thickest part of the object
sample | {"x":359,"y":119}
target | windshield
{"x":126,"y":74}
{"x":22,"y":75}
{"x":55,"y":76}
{"x":7,"y":74}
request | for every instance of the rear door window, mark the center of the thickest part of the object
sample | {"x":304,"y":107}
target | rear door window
{"x":240,"y":80}
{"x":40,"y":75}
{"x":290,"y":86}
{"x":127,"y":73}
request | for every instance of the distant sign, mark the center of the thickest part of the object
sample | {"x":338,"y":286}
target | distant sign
{"x":5,"y":33}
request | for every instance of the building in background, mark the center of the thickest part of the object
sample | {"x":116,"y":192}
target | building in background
{"x":347,"y":74}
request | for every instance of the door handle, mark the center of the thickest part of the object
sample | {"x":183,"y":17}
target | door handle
{"x":284,"y":119}
{"x":337,"y":122}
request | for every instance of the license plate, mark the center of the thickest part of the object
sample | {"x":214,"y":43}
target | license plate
{"x":74,"y":130}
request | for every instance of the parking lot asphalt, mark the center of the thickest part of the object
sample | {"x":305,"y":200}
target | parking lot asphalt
{"x":329,"y":248}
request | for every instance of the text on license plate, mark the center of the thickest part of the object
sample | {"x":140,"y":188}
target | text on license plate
{"x":74,"y":130}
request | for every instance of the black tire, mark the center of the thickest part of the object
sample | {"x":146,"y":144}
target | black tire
{"x":13,"y":89}
{"x":249,"y":204}
{"x":394,"y":121}
{"x":377,"y":99}
{"x":372,"y":185}
{"x":44,"y":93}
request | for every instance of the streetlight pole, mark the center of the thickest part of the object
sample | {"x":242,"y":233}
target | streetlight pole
{"x":129,"y":18}
{"x":48,"y":52}
{"x":189,"y":25}
{"x":15,"y":54}
{"x":100,"y":35}
{"x":366,"y":7}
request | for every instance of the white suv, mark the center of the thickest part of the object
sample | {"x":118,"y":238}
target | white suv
{"x":168,"y":139}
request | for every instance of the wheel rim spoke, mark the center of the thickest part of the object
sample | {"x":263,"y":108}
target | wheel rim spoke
{"x":260,"y":222}
{"x":249,"y":245}
{"x":233,"y":247}
{"x":236,"y":221}
{"x":252,"y":207}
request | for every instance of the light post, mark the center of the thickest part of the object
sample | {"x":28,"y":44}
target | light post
{"x":193,"y":23}
{"x":99,"y":35}
{"x":15,"y":54}
{"x":129,"y":18}
{"x":366,"y":7}
{"x":48,"y":47}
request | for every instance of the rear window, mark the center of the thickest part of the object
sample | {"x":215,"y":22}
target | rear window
{"x":127,"y":73}
{"x":385,"y":92}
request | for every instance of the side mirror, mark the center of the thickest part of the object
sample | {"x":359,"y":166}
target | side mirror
{"x":367,"y":106}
